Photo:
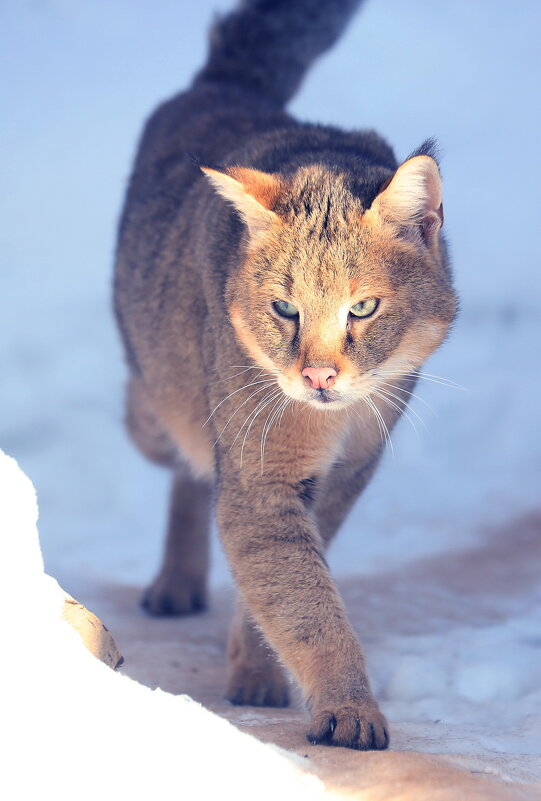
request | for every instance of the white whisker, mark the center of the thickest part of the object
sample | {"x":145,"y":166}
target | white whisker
{"x":280,"y":413}
{"x":260,"y":402}
{"x":356,"y":413}
{"x":221,"y":380}
{"x":387,"y":436}
{"x":445,"y":382}
{"x":408,"y":392}
{"x":436,"y":379}
{"x":403,"y":409}
{"x":253,"y":420}
{"x":246,"y":386}
{"x":441,"y":378}
{"x":249,"y":367}
{"x":289,"y":401}
{"x":275,"y":409}
{"x":370,"y":406}
{"x":255,"y":392}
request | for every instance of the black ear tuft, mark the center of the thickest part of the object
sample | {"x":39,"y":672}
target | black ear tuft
{"x":430,"y":148}
{"x":197,"y":161}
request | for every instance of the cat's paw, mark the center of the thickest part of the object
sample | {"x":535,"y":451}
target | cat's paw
{"x":258,"y":686}
{"x":174,"y":594}
{"x":360,"y":726}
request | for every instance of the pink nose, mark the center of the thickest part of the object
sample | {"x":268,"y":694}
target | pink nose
{"x":319,"y":377}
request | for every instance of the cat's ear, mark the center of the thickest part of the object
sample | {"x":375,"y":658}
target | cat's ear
{"x":413,"y":198}
{"x":253,"y":193}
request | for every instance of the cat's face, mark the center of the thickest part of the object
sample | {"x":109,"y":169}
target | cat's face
{"x":334,"y":299}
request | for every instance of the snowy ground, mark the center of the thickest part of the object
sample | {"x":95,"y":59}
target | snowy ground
{"x":78,"y":79}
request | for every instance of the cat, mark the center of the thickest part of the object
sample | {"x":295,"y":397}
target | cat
{"x":278,"y":285}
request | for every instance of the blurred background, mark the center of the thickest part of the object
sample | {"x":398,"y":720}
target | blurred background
{"x":78,"y":79}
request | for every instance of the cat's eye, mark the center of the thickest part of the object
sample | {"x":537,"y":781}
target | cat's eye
{"x":365,"y":308}
{"x":285,"y":309}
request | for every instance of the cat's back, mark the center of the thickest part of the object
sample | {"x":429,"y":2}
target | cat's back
{"x":200,"y":126}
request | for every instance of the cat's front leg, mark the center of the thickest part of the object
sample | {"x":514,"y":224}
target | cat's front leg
{"x":276,"y":556}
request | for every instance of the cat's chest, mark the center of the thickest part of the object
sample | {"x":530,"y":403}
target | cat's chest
{"x":312,"y":444}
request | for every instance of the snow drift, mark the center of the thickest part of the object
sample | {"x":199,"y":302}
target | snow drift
{"x":76,"y":729}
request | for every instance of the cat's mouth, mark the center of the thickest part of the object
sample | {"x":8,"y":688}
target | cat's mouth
{"x":325,"y":396}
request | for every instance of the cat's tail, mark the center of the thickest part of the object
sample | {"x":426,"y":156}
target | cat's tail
{"x":268,"y":45}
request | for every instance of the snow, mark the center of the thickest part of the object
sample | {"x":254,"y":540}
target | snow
{"x":78,"y":80}
{"x":116,"y":736}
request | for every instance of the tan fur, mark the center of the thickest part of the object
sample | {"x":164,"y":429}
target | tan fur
{"x":414,"y":191}
{"x":252,"y":192}
{"x":262,"y":186}
{"x":217,"y":388}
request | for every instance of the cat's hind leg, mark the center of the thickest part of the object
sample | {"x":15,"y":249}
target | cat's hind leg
{"x":180,"y":588}
{"x":255,"y":676}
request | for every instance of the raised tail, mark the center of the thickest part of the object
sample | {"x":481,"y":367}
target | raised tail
{"x":268,"y":45}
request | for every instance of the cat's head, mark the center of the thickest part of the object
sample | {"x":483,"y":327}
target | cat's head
{"x":333,"y":297}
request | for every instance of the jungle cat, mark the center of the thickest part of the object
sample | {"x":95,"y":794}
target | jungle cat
{"x":278,"y":285}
